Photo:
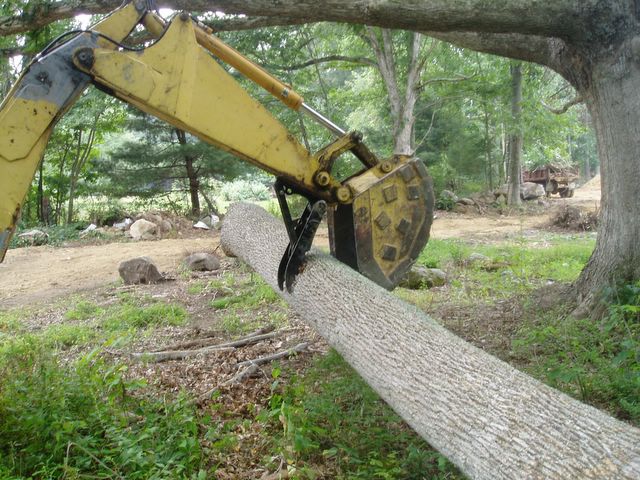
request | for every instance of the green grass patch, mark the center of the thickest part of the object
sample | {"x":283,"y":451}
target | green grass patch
{"x":510,"y":268}
{"x":82,"y":310}
{"x":330,"y":423}
{"x":597,"y":362}
{"x":86,"y":420}
{"x":130,"y":315}
{"x":252,"y":294}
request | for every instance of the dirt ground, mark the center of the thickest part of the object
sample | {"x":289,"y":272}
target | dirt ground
{"x":39,"y":274}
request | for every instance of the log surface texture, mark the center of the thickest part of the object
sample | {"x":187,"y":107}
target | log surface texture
{"x":491,"y":420}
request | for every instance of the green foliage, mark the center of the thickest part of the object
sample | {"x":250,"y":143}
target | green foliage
{"x":82,"y":311}
{"x":132,"y":315}
{"x":597,"y":362}
{"x":333,"y":422}
{"x":87,"y":419}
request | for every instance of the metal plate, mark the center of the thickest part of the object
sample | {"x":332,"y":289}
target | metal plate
{"x":382,"y":233}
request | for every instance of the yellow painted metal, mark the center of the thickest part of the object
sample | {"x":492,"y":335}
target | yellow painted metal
{"x":178,"y":81}
{"x":26,"y":124}
{"x":229,"y":55}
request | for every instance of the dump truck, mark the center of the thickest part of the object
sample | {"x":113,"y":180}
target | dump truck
{"x":554,"y":179}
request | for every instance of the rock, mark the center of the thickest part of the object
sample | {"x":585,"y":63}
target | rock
{"x":463,"y":209}
{"x":531,"y":191}
{"x":202,"y":262}
{"x":448,"y":195}
{"x":139,"y":270}
{"x":466,"y":201}
{"x":124,"y":225}
{"x":34,"y":237}
{"x":201,"y":225}
{"x":143,"y":230}
{"x":88,"y":230}
{"x":477,"y":257}
{"x":165,"y":226}
{"x":152,"y":217}
{"x":421,"y":277}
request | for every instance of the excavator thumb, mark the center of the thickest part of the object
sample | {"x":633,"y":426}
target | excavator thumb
{"x":382,"y":232}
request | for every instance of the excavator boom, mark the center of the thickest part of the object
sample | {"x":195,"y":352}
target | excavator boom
{"x":379,"y":219}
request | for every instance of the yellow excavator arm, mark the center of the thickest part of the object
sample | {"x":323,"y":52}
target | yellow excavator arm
{"x":379,"y":219}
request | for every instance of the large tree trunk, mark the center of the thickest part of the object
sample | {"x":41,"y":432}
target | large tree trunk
{"x":614,"y":103}
{"x":491,"y":420}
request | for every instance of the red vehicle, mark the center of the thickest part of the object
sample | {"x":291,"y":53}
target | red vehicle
{"x":554,"y":179}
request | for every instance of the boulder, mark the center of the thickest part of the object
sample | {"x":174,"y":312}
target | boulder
{"x":466,"y":201}
{"x":34,"y":237}
{"x":165,"y":226}
{"x":531,"y":191}
{"x":421,"y":277}
{"x":448,"y":195}
{"x":143,"y":230}
{"x":139,"y":270}
{"x":202,"y":262}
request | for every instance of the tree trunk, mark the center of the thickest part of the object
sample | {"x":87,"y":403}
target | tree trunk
{"x":614,"y":105}
{"x":192,"y":175}
{"x":491,"y":420}
{"x":515,"y":138}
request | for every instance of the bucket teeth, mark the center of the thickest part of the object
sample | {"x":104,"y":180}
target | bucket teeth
{"x":386,"y":227}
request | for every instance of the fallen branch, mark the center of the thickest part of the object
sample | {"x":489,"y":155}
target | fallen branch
{"x":249,"y":367}
{"x":276,"y":356}
{"x":167,"y":355}
{"x":208,"y":340}
{"x":491,"y":420}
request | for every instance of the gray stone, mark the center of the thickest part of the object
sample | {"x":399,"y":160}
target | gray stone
{"x":531,"y":191}
{"x":143,"y":230}
{"x":423,"y":277}
{"x":34,"y":237}
{"x":139,"y":270}
{"x":466,"y":201}
{"x":165,"y":226}
{"x":449,"y":195}
{"x":202,"y":262}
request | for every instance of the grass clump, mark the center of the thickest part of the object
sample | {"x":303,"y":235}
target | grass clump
{"x":130,"y":315}
{"x":333,"y":425}
{"x":595,"y":361}
{"x":83,"y":310}
{"x":83,"y":421}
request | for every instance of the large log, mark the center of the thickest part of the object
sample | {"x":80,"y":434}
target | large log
{"x":488,"y":418}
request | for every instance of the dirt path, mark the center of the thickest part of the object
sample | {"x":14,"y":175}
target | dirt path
{"x":37,"y":274}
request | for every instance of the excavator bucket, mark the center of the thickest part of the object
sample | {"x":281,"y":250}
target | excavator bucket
{"x":386,"y":227}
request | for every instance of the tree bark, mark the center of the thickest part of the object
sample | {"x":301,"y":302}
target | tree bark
{"x":491,"y":420}
{"x":515,"y":138}
{"x":614,"y":105}
{"x":192,"y":175}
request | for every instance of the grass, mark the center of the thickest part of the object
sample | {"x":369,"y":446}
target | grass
{"x":86,"y":420}
{"x":331,"y":424}
{"x":597,"y":362}
{"x":89,"y":418}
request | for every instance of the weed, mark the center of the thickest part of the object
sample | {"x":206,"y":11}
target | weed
{"x":82,"y":311}
{"x":597,"y":362}
{"x":196,"y":288}
{"x":129,"y":315}
{"x":82,"y":421}
{"x":331,"y":417}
